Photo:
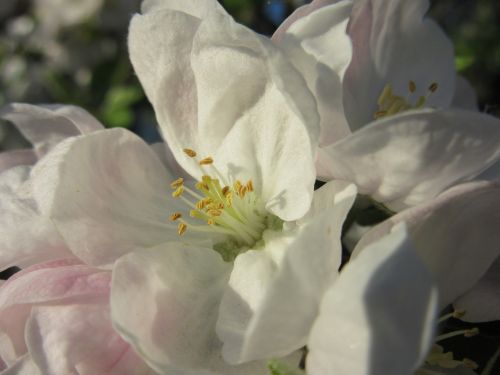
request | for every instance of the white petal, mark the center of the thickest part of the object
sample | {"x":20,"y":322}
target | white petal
{"x":45,"y":126}
{"x":465,"y":95}
{"x":221,"y":89}
{"x":19,"y":216}
{"x":320,"y":48}
{"x":274,"y":292}
{"x":165,"y":302}
{"x":407,"y":159}
{"x":394,"y":43}
{"x":24,"y":366}
{"x":378,"y":317}
{"x":481,"y":303}
{"x":107,"y":193}
{"x":455,"y":234}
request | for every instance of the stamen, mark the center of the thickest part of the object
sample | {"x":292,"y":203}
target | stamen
{"x":178,"y":192}
{"x":181,"y":229}
{"x":250,"y":185}
{"x":206,"y":161}
{"x":457,"y":314}
{"x":189,"y":152}
{"x":177,"y":183}
{"x":386,"y":94}
{"x":201,"y":186}
{"x":225,"y":190}
{"x":175,"y":216}
{"x":465,"y":332}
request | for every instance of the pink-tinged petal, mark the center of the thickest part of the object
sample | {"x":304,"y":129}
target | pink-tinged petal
{"x":107,"y":193}
{"x":10,"y":159}
{"x":191,"y":69}
{"x":298,"y":14}
{"x":61,"y":281}
{"x":465,"y":96}
{"x":274,"y":292}
{"x":378,"y":317}
{"x":19,"y":215}
{"x":79,"y":339}
{"x":410,"y":158}
{"x":481,"y":303}
{"x":394,"y":43}
{"x":165,"y":302}
{"x":46,"y":125}
{"x":455,"y":234}
{"x":319,"y":47}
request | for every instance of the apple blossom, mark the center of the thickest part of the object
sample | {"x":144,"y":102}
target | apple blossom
{"x":388,"y":101}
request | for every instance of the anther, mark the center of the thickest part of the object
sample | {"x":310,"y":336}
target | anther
{"x":214,"y":212}
{"x":250,"y":185}
{"x":379,"y":114}
{"x":412,"y":86}
{"x":242,"y":191}
{"x":457,"y":314}
{"x":206,"y":161}
{"x":237,"y":185}
{"x":201,"y":186}
{"x":178,"y":192}
{"x":433,"y":87}
{"x":181,"y":229}
{"x":175,"y":216}
{"x":177,"y":183}
{"x":225,"y":190}
{"x":189,"y":152}
{"x":469,"y":363}
{"x":210,"y":221}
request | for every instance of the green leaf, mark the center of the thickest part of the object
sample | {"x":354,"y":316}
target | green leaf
{"x":279,"y":368}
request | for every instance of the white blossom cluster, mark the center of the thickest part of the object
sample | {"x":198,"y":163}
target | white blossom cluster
{"x":212,"y":253}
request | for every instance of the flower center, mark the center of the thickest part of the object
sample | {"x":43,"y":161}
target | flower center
{"x":223,"y":206}
{"x":390,"y":104}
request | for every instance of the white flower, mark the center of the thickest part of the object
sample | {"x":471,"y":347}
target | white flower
{"x":233,"y":260}
{"x":384,"y":79}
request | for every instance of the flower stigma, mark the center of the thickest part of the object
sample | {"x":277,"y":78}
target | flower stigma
{"x":223,"y":206}
{"x":390,"y":104}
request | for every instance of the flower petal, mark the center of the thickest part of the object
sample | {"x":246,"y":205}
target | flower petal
{"x":108,"y":193}
{"x":10,"y":159}
{"x":407,"y":159}
{"x":45,"y":126}
{"x":78,"y":339}
{"x":219,"y":88}
{"x":394,"y":43}
{"x":19,"y":215}
{"x":367,"y":324}
{"x":165,"y":301}
{"x":446,"y":234}
{"x":465,"y":95}
{"x":274,"y":292}
{"x":23,"y":366}
{"x":481,"y":303}
{"x":318,"y":45}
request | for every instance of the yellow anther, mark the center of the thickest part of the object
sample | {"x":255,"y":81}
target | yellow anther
{"x":175,"y":216}
{"x":207,"y":160}
{"x":469,"y":363}
{"x":201,"y":186}
{"x":178,"y":192}
{"x":189,"y":152}
{"x":206,"y":179}
{"x":214,"y":212}
{"x":250,"y":185}
{"x":220,"y":206}
{"x":457,"y":314}
{"x":229,"y":199}
{"x":412,"y":86}
{"x":225,"y":190}
{"x":210,"y":221}
{"x":177,"y":183}
{"x":433,"y":87}
{"x":181,"y":229}
{"x":201,"y":204}
{"x":472,"y":332}
{"x":242,"y":191}
{"x":237,"y":185}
